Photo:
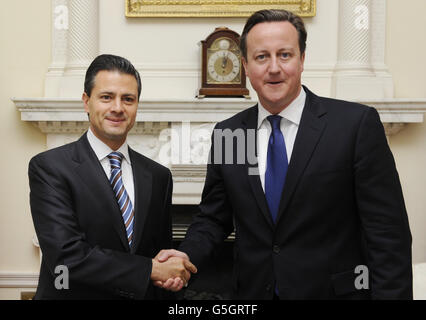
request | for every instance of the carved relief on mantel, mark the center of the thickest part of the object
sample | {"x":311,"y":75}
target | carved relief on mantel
{"x":151,"y":131}
{"x":69,"y":127}
{"x":393,"y":128}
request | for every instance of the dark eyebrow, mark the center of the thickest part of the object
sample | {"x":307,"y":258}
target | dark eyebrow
{"x":261,"y":51}
{"x":106,"y":92}
{"x":287,"y":49}
{"x":113,"y":94}
{"x":129,"y":95}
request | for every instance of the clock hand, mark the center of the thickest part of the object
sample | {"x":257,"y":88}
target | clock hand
{"x":224,"y":62}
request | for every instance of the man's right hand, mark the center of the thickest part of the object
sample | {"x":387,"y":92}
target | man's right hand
{"x":173,"y":283}
{"x":173,"y":272}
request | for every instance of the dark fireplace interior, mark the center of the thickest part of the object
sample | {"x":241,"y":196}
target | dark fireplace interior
{"x":213,"y":280}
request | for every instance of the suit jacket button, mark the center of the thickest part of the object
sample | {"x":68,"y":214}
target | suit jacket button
{"x":276,"y":249}
{"x":268,"y":287}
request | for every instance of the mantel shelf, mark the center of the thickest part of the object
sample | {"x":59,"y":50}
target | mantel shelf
{"x":394,"y":113}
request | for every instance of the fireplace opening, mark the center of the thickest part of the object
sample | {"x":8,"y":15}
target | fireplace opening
{"x":214,"y":280}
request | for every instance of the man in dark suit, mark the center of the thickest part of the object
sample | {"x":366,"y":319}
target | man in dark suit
{"x":101,"y":210}
{"x":324,"y":218}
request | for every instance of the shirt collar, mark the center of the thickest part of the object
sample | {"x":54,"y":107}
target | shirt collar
{"x":293,"y":112}
{"x":102,"y":150}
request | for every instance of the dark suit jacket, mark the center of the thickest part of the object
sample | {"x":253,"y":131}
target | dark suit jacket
{"x":79,"y":224}
{"x":342,"y":206}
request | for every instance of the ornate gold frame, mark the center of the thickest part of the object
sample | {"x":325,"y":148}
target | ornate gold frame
{"x":214,"y":8}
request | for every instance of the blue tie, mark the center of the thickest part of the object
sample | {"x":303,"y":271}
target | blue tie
{"x":276,"y":166}
{"x":123,"y":198}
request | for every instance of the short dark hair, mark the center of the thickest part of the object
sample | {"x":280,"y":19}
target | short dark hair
{"x":109,"y":62}
{"x":274,"y":16}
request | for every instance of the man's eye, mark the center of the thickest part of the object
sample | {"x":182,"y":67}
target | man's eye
{"x":261,"y":57}
{"x":285,"y":55}
{"x":105,"y":97}
{"x":129,"y":99}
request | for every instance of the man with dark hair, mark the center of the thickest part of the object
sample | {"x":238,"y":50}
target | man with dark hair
{"x":324,"y":218}
{"x":100,"y":209}
{"x":110,"y":62}
{"x":274,"y":16}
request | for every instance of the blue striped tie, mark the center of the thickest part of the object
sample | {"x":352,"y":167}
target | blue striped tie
{"x":123,"y":198}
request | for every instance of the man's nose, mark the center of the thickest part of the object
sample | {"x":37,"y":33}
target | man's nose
{"x":273,"y":65}
{"x":116,"y":105}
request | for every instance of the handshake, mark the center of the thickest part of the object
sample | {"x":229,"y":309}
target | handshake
{"x":171,"y":270}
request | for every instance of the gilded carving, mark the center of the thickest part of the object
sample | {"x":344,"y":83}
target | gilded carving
{"x":214,"y":8}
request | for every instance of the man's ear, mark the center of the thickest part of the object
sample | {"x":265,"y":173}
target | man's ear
{"x":243,"y":60}
{"x":85,"y":99}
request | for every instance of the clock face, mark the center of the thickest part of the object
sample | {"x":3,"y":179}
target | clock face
{"x":223,"y":66}
{"x":223,"y":62}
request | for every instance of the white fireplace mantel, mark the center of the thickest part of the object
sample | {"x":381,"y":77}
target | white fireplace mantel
{"x":67,"y":115}
{"x":196,"y":110}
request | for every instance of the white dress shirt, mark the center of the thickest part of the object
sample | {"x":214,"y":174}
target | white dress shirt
{"x":102,"y":151}
{"x":291,"y":116}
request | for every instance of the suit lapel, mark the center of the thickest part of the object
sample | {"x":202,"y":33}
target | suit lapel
{"x":92,"y":174}
{"x":310,"y":130}
{"x":142,"y":178}
{"x":250,"y":123}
